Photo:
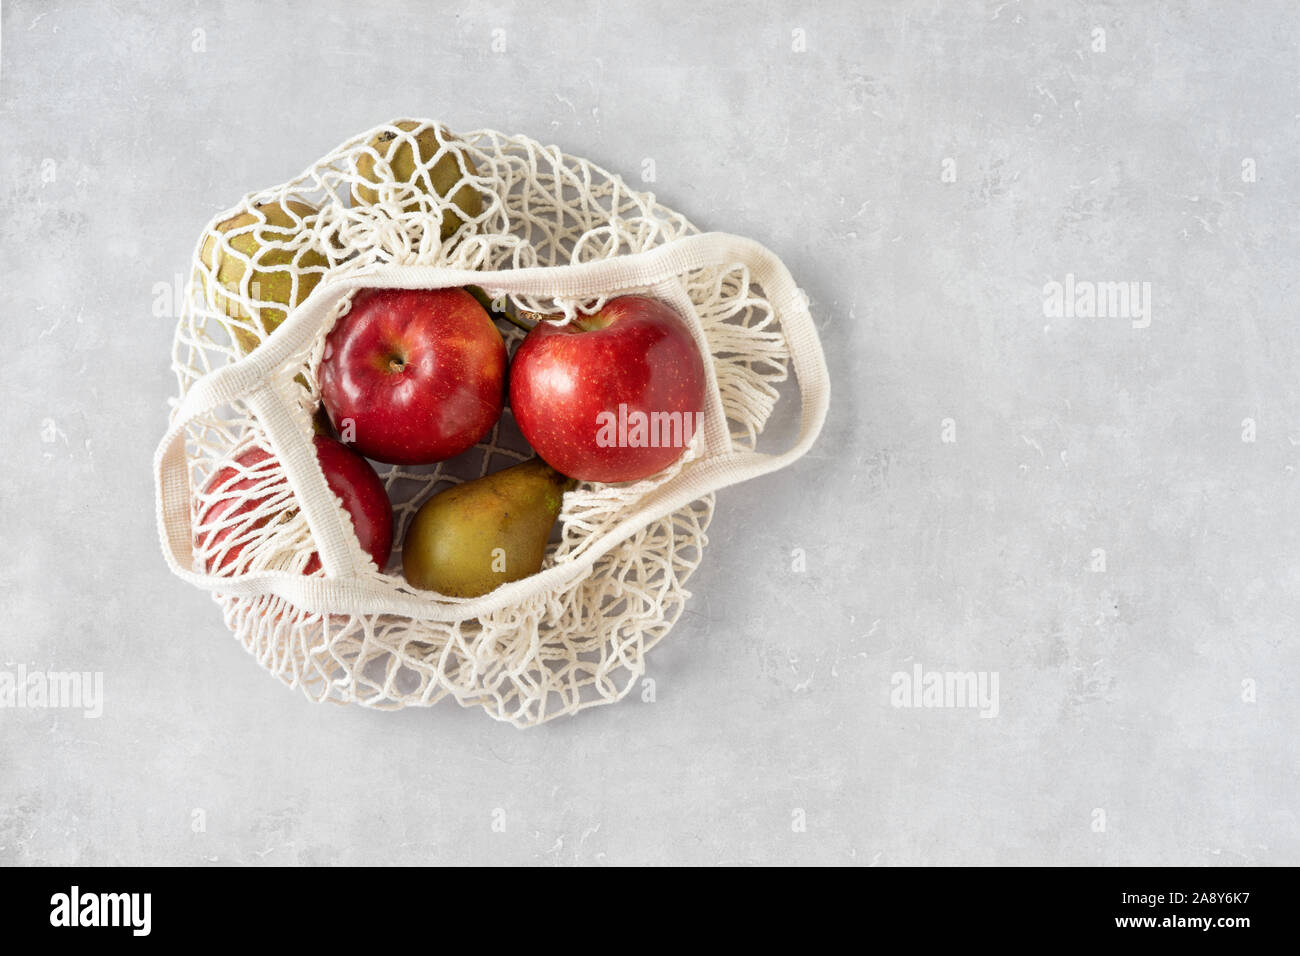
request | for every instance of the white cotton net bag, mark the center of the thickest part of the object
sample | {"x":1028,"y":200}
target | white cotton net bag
{"x":410,"y":205}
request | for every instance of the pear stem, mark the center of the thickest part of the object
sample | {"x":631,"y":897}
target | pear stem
{"x":522,"y":319}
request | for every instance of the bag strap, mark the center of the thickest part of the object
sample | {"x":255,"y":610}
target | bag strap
{"x":346,"y":588}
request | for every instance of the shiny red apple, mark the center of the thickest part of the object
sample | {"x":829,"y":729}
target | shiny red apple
{"x":413,"y":376}
{"x":612,"y":396}
{"x":225,"y":523}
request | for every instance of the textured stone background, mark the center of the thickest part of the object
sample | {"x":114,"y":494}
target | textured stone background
{"x":1121,"y":691}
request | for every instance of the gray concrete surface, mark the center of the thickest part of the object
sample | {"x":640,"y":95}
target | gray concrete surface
{"x":1097,"y":512}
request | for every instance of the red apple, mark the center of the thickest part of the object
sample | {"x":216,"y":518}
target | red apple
{"x":413,"y":376}
{"x":348,"y":475}
{"x":612,"y":396}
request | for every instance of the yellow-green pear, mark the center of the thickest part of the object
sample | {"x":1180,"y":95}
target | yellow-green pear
{"x":403,"y":164}
{"x":470,"y":539}
{"x":255,"y":239}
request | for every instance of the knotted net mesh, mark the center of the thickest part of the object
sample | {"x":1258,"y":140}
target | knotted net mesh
{"x":412,"y":193}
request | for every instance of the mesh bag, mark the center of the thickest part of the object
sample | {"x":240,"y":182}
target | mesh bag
{"x":547,"y":233}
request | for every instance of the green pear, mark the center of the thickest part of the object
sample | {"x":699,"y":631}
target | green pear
{"x":320,"y":419}
{"x":273,"y":269}
{"x":403,"y":164}
{"x":470,"y":539}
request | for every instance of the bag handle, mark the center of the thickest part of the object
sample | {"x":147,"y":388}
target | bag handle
{"x":348,"y":587}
